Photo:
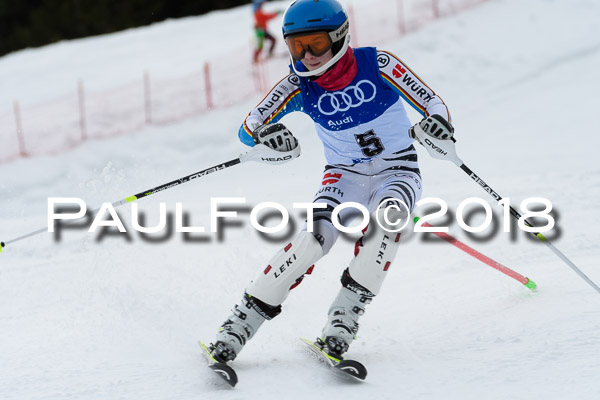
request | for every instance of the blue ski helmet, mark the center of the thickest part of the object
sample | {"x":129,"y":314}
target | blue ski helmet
{"x":305,"y":16}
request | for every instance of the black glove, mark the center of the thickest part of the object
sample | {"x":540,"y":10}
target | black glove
{"x":435,"y":126}
{"x":275,"y":136}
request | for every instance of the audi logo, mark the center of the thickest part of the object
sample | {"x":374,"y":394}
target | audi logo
{"x":351,"y":97}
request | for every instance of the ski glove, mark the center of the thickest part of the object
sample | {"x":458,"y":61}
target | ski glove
{"x":275,"y":136}
{"x":435,"y":126}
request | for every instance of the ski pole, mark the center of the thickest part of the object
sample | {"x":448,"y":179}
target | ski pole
{"x":541,"y":237}
{"x":483,"y":258}
{"x":259,"y":152}
{"x":145,"y":193}
{"x":445,"y":150}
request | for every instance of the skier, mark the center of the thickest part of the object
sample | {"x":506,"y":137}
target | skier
{"x":355,"y":97}
{"x":261,"y":20}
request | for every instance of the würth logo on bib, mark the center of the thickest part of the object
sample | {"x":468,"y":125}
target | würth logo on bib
{"x":399,"y":70}
{"x":331,"y":178}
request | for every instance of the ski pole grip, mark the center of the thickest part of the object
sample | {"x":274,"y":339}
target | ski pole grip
{"x":1,"y":246}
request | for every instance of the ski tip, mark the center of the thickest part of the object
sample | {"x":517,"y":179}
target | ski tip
{"x":225,"y":372}
{"x":531,"y":285}
{"x":353,"y":368}
{"x":344,"y":368}
{"x":222,"y":369}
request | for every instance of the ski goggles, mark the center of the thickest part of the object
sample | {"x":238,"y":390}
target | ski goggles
{"x":318,"y":43}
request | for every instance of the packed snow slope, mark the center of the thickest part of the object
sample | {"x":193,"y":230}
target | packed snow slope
{"x":118,"y":317}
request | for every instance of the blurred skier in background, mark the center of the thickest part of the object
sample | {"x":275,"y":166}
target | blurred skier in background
{"x":261,"y":19}
{"x":356,"y":99}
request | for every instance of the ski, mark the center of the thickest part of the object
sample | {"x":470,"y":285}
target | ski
{"x":222,"y":369}
{"x":345,"y":368}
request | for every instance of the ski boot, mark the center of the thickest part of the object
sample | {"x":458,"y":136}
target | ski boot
{"x":240,"y":327}
{"x":342,"y":322}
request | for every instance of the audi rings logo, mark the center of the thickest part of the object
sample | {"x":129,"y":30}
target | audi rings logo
{"x":351,"y":97}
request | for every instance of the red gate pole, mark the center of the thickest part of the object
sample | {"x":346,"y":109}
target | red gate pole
{"x":435,"y":4}
{"x":82,"y":121}
{"x":483,"y":258}
{"x":256,"y":73}
{"x":263,"y":65}
{"x":19,"y":125}
{"x":353,"y":35}
{"x":147,"y":98}
{"x":401,"y":17}
{"x":207,"y":84}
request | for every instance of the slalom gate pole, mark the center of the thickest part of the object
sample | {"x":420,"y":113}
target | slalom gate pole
{"x":483,"y":258}
{"x":445,"y":150}
{"x":145,"y":193}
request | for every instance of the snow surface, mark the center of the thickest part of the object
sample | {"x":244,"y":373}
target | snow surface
{"x":113,"y":319}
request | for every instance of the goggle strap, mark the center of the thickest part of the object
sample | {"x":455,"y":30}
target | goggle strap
{"x":339,"y":32}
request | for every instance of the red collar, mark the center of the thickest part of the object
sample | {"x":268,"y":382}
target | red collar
{"x":341,"y":74}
